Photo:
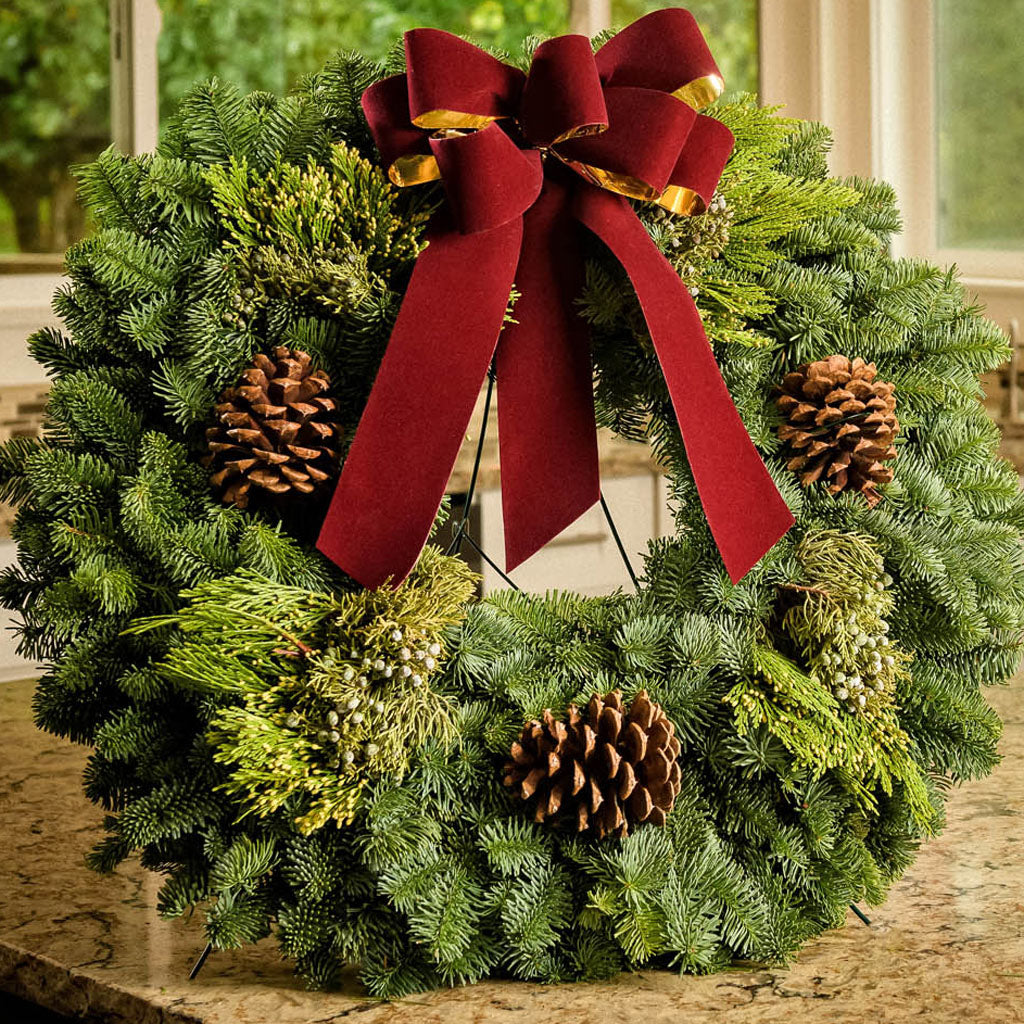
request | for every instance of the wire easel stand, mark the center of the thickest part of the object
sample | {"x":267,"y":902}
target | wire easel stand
{"x":865,"y":920}
{"x":461,"y":532}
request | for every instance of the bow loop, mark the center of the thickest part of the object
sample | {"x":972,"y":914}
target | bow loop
{"x":638,"y":154}
{"x":404,"y":148}
{"x":562,"y":98}
{"x":454,"y":84}
{"x":665,"y":51}
{"x":699,"y":167}
{"x":487,"y":178}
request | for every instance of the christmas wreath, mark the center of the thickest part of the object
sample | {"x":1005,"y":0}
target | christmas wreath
{"x":439,"y":788}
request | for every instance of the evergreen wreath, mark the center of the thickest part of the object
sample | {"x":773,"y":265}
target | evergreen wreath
{"x":299,"y":756}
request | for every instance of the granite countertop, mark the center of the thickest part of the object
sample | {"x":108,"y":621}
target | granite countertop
{"x":947,"y":947}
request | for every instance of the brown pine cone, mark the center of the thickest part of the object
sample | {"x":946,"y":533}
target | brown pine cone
{"x":278,"y":430}
{"x":604,"y":770}
{"x":840,"y":425}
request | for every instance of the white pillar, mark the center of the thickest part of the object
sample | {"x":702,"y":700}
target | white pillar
{"x":134,"y":109}
{"x":588,"y":17}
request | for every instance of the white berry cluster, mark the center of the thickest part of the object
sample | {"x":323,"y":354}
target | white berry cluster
{"x":691,"y":243}
{"x":359,"y":690}
{"x":857,"y":658}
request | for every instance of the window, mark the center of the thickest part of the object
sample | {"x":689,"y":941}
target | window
{"x":925,"y":94}
{"x":268,"y":44}
{"x":55,"y":77}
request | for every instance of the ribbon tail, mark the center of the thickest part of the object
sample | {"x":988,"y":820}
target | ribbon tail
{"x":416,"y":417}
{"x":744,"y":509}
{"x":546,"y":429}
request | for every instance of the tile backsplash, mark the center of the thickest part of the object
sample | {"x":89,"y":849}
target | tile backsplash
{"x":21,"y":415}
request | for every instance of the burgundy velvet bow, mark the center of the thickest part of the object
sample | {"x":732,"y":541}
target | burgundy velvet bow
{"x":524,"y":160}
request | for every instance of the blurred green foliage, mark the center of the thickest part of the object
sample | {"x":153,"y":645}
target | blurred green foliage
{"x":268,"y":44}
{"x":54,"y":110}
{"x":980,"y":90}
{"x":54,"y":77}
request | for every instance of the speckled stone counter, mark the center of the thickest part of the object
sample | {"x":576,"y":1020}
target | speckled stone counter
{"x":948,"y":946}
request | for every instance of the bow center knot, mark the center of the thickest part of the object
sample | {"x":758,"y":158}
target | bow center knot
{"x":563,"y":97}
{"x":492,"y":165}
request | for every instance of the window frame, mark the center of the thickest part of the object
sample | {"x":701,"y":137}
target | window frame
{"x":845,"y":62}
{"x":134,"y":124}
{"x":864,"y":67}
{"x":867,"y":69}
{"x":134,"y":104}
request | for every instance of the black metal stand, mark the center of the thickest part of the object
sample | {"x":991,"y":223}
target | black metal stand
{"x":460,"y":531}
{"x":863,"y":917}
{"x":618,"y":541}
{"x":198,"y":965}
{"x":483,"y":554}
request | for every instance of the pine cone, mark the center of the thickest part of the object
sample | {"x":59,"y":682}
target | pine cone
{"x":278,"y":430}
{"x":604,"y":771}
{"x":840,"y":425}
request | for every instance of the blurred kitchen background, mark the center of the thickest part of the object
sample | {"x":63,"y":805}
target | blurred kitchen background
{"x":927,"y":94}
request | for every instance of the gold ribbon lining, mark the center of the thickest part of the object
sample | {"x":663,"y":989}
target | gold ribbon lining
{"x":438,"y":120}
{"x":701,"y":91}
{"x":698,"y":94}
{"x":613,"y":181}
{"x":417,"y":169}
{"x":681,"y":200}
{"x":420,"y":168}
{"x":580,"y":131}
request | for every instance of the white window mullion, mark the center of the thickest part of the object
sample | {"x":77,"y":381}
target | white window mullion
{"x":815,"y":62}
{"x":902,"y":63}
{"x":588,"y":17}
{"x":134,"y":109}
{"x":790,"y":56}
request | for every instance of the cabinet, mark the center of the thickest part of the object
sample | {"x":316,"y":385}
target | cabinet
{"x":584,"y":557}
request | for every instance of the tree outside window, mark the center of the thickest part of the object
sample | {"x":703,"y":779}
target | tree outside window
{"x":55,"y":80}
